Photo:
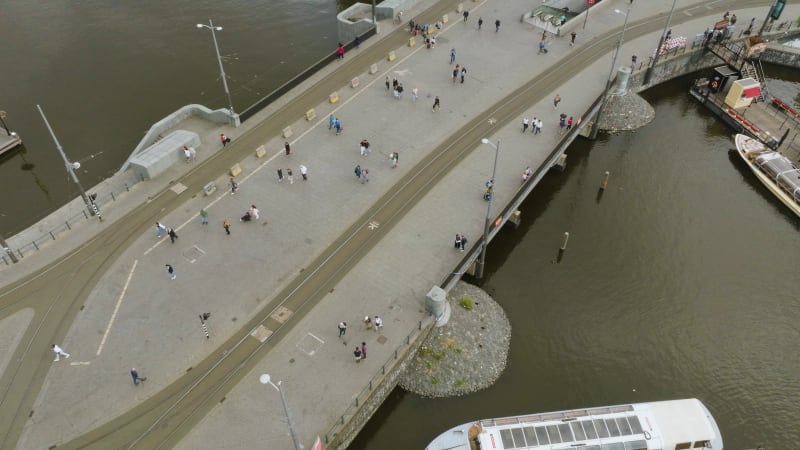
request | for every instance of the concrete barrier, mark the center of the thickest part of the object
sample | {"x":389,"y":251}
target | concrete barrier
{"x":391,"y":56}
{"x":412,"y":42}
{"x":160,"y":156}
{"x":287,"y":132}
{"x":261,"y":151}
{"x":235,"y":170}
{"x":311,"y":114}
{"x":209,"y":188}
{"x":373,"y":69}
{"x":445,"y":19}
{"x":354,"y":82}
{"x":334,"y":97}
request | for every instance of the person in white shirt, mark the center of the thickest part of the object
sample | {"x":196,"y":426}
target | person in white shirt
{"x":59,"y":353}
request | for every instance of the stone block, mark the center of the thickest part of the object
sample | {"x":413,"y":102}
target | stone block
{"x":445,"y":19}
{"x":235,"y":170}
{"x":460,"y":8}
{"x":209,"y":188}
{"x":261,"y":151}
{"x":354,"y":82}
{"x":311,"y":114}
{"x":391,"y":56}
{"x":287,"y":132}
{"x":334,"y":97}
{"x":412,"y":42}
{"x":373,"y":69}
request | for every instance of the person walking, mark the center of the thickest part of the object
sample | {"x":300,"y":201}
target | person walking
{"x":569,"y":123}
{"x":538,"y":126}
{"x":203,"y":217}
{"x":280,"y":175}
{"x":414,"y":94}
{"x":524,"y":124}
{"x":378,"y":323}
{"x":466,"y":15}
{"x":572,"y":38}
{"x":388,"y":85}
{"x":332,"y":120}
{"x":338,"y":125}
{"x":357,"y":171}
{"x":463,"y":74}
{"x":234,"y":186}
{"x":633,"y":61}
{"x":224,"y":139}
{"x":340,"y":51}
{"x":288,"y":148}
{"x":226,"y":224}
{"x":254,"y":212}
{"x":364,"y":175}
{"x":436,"y":104}
{"x":342,"y":328}
{"x":289,"y":175}
{"x":452,"y":55}
{"x":497,"y":25}
{"x":171,"y":271}
{"x":357,"y":354}
{"x":394,"y":158}
{"x":455,"y":73}
{"x":556,"y":101}
{"x":480,"y":23}
{"x":527,"y":174}
{"x":364,"y":350}
{"x":160,"y":229}
{"x":172,"y":235}
{"x":59,"y":352}
{"x":457,"y":243}
{"x":304,"y":172}
{"x":463,"y":241}
{"x":136,"y":377}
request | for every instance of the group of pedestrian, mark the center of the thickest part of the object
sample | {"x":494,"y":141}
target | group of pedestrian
{"x":360,"y":352}
{"x":535,"y":125}
{"x":565,"y":123}
{"x":362,"y":173}
{"x":460,"y":242}
{"x":459,"y":71}
{"x":363,"y":147}
{"x":335,"y":124}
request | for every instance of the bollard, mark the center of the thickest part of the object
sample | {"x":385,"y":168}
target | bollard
{"x":412,"y":42}
{"x":566,"y":239}
{"x":605,"y":181}
{"x":354,"y":82}
{"x":373,"y":69}
{"x":391,"y":56}
{"x":203,"y":318}
{"x":261,"y":151}
{"x":235,"y":170}
{"x":287,"y":132}
{"x":311,"y":114}
{"x":334,"y":97}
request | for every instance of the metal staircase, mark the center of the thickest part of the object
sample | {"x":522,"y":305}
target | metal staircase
{"x":752,"y":68}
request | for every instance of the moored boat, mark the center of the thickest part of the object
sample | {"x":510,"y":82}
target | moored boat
{"x":664,"y":425}
{"x":773,"y":169}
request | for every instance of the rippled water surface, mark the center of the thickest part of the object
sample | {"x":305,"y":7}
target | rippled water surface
{"x":679,"y":281}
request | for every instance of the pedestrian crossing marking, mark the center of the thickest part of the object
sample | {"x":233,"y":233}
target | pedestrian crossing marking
{"x":178,"y":188}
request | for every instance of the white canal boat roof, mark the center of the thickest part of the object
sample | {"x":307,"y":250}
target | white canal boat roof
{"x":666,"y":425}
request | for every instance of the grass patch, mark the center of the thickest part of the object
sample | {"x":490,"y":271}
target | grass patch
{"x":467,"y":303}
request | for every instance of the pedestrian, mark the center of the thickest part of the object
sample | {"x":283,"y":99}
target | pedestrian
{"x":394,"y":157}
{"x":289,"y":175}
{"x":171,"y":271}
{"x":332,"y":120}
{"x":338,"y":125}
{"x":280,"y":175}
{"x":357,"y":354}
{"x":669,"y":32}
{"x":538,"y":126}
{"x":160,"y":229}
{"x":399,"y":90}
{"x":457,"y":243}
{"x":463,"y":74}
{"x":288,"y":148}
{"x":172,"y":235}
{"x":480,"y":22}
{"x":527,"y":174}
{"x":136,"y":377}
{"x":569,"y":123}
{"x":378,"y":323}
{"x":368,"y":322}
{"x":414,"y":94}
{"x":455,"y":73}
{"x":466,"y":15}
{"x":463,"y":241}
{"x":224,"y":139}
{"x":572,"y":38}
{"x":59,"y":352}
{"x":304,"y":172}
{"x":357,"y":171}
{"x":364,"y":175}
{"x":726,"y":15}
{"x":357,"y":41}
{"x":387,"y":83}
{"x":633,"y":60}
{"x":497,"y":25}
{"x":452,"y":55}
{"x":254,"y":211}
{"x":542,"y":46}
{"x":394,"y":83}
{"x":226,"y":224}
{"x":556,"y":101}
{"x":189,"y":153}
{"x":342,"y":328}
{"x":340,"y":51}
{"x":203,"y":216}
{"x":524,"y":124}
{"x":436,"y":104}
{"x":234,"y":186}
{"x":362,"y":149}
{"x":364,"y":350}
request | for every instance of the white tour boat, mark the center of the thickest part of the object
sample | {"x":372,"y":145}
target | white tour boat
{"x":665,"y":425}
{"x":773,"y":169}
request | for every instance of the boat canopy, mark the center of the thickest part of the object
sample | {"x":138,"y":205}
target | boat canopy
{"x":780,"y":169}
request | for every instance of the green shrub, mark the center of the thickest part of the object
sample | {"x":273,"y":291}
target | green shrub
{"x":467,"y":303}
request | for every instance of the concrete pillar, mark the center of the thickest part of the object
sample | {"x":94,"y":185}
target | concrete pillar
{"x":621,"y":81}
{"x":435,"y":301}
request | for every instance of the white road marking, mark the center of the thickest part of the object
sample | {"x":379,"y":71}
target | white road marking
{"x":116,"y":308}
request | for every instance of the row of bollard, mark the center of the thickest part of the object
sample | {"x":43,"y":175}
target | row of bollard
{"x":563,"y":248}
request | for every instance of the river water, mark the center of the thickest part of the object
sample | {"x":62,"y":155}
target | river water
{"x":104,"y":71}
{"x":679,"y":281}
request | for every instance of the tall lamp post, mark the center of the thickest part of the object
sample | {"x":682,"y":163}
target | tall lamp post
{"x":482,"y":259}
{"x":265,"y":379}
{"x":213,"y":29}
{"x":596,"y":124}
{"x":649,"y":72}
{"x":71,"y":166}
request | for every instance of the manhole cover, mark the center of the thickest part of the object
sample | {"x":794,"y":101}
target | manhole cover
{"x":193,"y":253}
{"x":261,"y":333}
{"x":178,"y":188}
{"x":309,"y":344}
{"x":281,"y":314}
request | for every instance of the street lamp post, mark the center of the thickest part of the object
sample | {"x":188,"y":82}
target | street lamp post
{"x":265,"y":379}
{"x":71,"y":166}
{"x":213,"y":29}
{"x":482,"y":258}
{"x":596,"y":124}
{"x":649,"y":72}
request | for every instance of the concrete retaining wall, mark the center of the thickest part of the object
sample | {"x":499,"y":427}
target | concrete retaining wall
{"x":354,"y":21}
{"x":163,"y":154}
{"x":781,"y":55}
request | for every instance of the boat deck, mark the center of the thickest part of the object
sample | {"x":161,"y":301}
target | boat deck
{"x":8,"y":143}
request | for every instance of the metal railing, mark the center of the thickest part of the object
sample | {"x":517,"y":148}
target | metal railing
{"x":376,"y":379}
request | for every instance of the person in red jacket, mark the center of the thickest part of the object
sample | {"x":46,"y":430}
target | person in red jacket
{"x":340,"y":51}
